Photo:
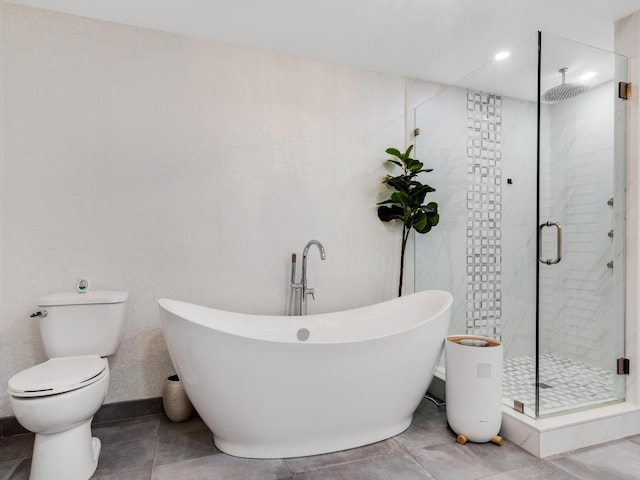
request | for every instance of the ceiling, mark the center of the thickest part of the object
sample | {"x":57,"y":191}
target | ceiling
{"x":438,"y":40}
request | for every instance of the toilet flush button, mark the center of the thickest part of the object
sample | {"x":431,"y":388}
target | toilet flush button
{"x":82,"y":285}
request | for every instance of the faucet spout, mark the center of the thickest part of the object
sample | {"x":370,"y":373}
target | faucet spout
{"x":305,"y":290}
{"x":323,"y":255}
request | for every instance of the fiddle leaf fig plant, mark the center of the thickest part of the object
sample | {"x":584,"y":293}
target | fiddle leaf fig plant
{"x":406,"y":203}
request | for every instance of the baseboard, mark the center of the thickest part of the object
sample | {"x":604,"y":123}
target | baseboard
{"x":130,"y":409}
{"x":109,"y":412}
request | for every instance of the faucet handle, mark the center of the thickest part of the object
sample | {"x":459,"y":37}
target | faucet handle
{"x":312,"y":292}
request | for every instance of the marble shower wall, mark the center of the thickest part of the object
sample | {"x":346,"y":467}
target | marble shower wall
{"x":577,"y":306}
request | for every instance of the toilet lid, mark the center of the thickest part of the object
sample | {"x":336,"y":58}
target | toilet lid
{"x":58,"y":375}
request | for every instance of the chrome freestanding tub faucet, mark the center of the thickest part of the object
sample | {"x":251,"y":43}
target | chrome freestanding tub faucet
{"x":302,"y":288}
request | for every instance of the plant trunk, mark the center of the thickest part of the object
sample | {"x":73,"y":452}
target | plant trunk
{"x":405,"y":237}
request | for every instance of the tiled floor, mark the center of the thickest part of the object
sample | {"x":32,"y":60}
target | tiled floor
{"x":153,"y":448}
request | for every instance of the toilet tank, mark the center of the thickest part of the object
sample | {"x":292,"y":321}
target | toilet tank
{"x":82,"y":323}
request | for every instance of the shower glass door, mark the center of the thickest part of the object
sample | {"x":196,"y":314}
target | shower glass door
{"x":581,"y":229}
{"x":479,"y":137}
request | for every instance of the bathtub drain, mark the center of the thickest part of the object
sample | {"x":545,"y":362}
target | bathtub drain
{"x":303,"y":334}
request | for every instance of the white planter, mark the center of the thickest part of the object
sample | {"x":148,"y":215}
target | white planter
{"x":176,"y":404}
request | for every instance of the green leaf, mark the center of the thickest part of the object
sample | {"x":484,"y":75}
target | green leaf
{"x":396,"y":162}
{"x":400,"y":197}
{"x":394,"y":151}
{"x":400,"y":183}
{"x":417,"y":195}
{"x":408,"y":150}
{"x":425,"y":229}
{"x":419,"y":221}
{"x":424,"y":220}
{"x":413,"y":165}
{"x":386,"y":214}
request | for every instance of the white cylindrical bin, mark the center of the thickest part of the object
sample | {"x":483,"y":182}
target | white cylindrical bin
{"x":473,"y":386}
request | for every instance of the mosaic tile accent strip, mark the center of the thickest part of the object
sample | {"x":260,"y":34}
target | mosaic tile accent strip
{"x":484,"y":215}
{"x":565,"y":384}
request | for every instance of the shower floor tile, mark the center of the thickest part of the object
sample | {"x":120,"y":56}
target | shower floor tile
{"x":564,"y":384}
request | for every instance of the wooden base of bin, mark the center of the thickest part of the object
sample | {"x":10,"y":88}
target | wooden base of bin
{"x":462,"y":439}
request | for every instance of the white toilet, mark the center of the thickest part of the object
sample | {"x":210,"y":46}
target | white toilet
{"x":57,"y":399}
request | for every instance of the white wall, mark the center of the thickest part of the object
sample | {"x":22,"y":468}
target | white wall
{"x":173,"y":167}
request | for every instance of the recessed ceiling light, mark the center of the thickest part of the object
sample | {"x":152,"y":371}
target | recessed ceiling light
{"x":588,"y":76}
{"x":502,"y":55}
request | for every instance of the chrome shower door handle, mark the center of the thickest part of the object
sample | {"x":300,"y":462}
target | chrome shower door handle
{"x":550,"y":261}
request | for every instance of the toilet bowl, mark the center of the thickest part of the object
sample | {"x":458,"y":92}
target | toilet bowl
{"x":57,"y":400}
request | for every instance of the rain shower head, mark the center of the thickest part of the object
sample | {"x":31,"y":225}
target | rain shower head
{"x":564,"y":91}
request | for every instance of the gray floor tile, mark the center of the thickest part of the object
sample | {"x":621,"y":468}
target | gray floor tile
{"x":542,"y":471}
{"x":221,"y":466}
{"x":7,"y":468}
{"x":387,"y":467}
{"x":619,"y":460}
{"x":451,"y":462}
{"x":427,"y":429}
{"x":135,"y":473}
{"x":315,"y":462}
{"x":132,"y":429}
{"x":16,"y":447}
{"x":22,"y":471}
{"x":183,"y":441}
{"x":126,"y":455}
{"x":504,"y":458}
{"x":472,"y":461}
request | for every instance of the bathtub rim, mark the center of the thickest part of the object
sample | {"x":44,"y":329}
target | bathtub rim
{"x":296,"y":321}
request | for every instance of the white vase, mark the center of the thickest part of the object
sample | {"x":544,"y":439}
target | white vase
{"x":176,"y":404}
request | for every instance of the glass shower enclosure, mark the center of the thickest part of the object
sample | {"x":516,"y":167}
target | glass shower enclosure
{"x":531,"y":193}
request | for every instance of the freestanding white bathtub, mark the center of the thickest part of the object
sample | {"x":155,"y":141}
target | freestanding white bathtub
{"x":267,"y":392}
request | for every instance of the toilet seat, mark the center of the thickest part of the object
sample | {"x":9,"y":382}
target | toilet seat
{"x":58,"y":375}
